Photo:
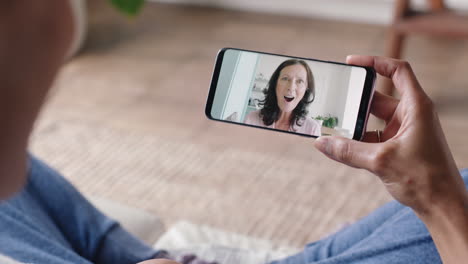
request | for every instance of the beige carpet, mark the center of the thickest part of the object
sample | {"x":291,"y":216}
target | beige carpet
{"x":264,"y":195}
{"x":126,"y":122}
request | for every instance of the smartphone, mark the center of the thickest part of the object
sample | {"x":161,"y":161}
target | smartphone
{"x":302,"y":96}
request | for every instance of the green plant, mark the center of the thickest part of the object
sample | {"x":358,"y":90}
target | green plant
{"x":328,"y":121}
{"x":129,"y":7}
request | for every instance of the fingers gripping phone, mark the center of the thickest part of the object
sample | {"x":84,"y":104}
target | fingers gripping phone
{"x":295,"y":95}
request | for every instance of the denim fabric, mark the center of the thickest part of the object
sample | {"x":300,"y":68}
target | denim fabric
{"x":49,"y":221}
{"x":391,"y":234}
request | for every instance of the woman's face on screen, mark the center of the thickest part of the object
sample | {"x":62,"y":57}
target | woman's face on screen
{"x":291,"y":86}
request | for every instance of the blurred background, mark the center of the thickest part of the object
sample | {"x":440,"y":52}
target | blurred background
{"x":125,"y":119}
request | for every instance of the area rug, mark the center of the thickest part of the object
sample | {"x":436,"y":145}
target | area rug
{"x":258,"y":194}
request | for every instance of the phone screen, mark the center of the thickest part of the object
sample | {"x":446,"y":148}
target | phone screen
{"x":290,"y":94}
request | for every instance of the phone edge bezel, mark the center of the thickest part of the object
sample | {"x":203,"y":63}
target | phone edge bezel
{"x":364,"y":108}
{"x":365,"y":105}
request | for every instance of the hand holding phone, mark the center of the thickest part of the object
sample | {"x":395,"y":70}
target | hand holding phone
{"x":412,"y":158}
{"x":295,"y":95}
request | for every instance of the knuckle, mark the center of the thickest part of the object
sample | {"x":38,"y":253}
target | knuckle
{"x":405,"y":65}
{"x":382,"y":159}
{"x":425,"y":106}
{"x":344,"y":152}
{"x":402,"y":71}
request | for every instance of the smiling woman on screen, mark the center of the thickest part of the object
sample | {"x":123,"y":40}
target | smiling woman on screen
{"x":290,"y":90}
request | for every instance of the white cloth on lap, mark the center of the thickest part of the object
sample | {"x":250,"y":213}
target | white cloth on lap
{"x":6,"y":260}
{"x":225,"y":247}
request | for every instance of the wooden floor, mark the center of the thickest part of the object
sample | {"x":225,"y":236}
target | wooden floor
{"x":126,"y":121}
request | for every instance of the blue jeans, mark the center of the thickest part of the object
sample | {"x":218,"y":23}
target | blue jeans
{"x":390,"y":234}
{"x":49,"y":221}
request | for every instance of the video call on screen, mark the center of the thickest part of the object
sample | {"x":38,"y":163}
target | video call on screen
{"x":302,"y":96}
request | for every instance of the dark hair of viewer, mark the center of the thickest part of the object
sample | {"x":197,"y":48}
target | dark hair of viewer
{"x":270,"y":111}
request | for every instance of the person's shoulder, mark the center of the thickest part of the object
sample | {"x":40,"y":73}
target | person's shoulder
{"x":255,"y":113}
{"x":312,"y":126}
{"x":253,"y":118}
{"x":309,"y":121}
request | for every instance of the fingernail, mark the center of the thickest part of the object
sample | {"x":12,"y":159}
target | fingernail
{"x":323,"y":144}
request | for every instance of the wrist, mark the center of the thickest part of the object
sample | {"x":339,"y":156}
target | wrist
{"x":443,"y":192}
{"x":450,"y":210}
{"x":448,"y":226}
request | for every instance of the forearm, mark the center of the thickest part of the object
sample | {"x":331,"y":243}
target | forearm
{"x":412,"y":157}
{"x":35,"y":37}
{"x":448,"y":224}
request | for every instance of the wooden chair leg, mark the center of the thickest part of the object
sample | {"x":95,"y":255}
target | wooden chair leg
{"x":436,"y":5}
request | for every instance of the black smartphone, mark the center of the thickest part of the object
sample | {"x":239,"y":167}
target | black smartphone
{"x":308,"y":97}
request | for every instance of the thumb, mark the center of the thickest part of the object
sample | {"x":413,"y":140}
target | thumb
{"x":347,"y":151}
